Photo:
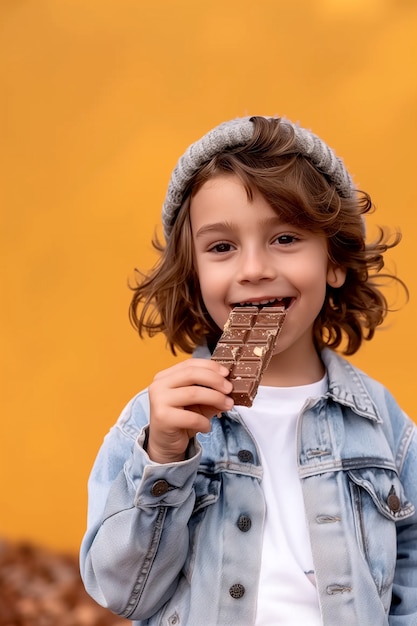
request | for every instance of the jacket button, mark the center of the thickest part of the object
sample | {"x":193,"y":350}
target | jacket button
{"x":393,"y":501}
{"x":237,"y":591}
{"x":245,"y":456}
{"x":244,"y":523}
{"x":160,"y":487}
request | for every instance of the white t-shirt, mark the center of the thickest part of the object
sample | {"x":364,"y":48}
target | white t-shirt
{"x":287,"y":593}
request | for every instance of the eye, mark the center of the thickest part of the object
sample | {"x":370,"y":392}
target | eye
{"x":221,"y":247}
{"x":286,"y":239}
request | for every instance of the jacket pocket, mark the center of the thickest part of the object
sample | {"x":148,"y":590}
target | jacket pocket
{"x":385,"y":490}
{"x":379,"y":502}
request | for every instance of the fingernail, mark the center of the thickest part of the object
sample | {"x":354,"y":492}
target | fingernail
{"x":228,"y":403}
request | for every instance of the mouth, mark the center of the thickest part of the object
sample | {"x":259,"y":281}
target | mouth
{"x":266,"y":302}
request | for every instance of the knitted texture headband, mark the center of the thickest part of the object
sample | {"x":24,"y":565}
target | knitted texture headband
{"x":238,"y":132}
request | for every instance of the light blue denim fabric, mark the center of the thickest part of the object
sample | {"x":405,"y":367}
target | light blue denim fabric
{"x":181,"y":557}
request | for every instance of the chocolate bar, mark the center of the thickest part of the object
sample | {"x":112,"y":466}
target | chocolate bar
{"x":246,"y":346}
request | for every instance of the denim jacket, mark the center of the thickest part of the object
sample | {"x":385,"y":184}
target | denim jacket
{"x":165,"y":544}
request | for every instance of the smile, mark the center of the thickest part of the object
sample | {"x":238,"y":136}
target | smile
{"x":262,"y":302}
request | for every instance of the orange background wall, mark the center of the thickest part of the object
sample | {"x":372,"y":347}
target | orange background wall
{"x":98,"y":100}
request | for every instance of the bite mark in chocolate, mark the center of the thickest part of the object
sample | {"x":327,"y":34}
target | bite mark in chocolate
{"x":246,"y":346}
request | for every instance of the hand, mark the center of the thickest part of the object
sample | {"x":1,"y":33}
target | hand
{"x":183,"y":399}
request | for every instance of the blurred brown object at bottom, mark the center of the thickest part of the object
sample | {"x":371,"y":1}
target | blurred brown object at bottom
{"x":39,"y":587}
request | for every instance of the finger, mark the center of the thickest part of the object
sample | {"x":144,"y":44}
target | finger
{"x":188,"y":377}
{"x":205,"y":396}
{"x":190,"y":366}
{"x":181,"y":420}
{"x":208,"y":411}
{"x":189,"y":396}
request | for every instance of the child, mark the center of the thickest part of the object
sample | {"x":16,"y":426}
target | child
{"x":300,"y":509}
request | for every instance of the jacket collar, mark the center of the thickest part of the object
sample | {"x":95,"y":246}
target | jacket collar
{"x":346,"y":383}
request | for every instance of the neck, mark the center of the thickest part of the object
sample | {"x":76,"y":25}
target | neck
{"x":293,"y":368}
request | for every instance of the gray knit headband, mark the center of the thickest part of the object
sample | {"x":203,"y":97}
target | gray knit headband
{"x":238,"y":132}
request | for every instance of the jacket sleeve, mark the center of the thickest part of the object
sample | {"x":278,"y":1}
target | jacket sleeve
{"x":136,"y":541}
{"x":403,"y":610}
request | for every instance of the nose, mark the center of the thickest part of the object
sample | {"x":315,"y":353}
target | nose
{"x":255,"y":265}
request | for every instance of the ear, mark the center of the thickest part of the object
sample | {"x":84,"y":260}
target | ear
{"x":336,"y":275}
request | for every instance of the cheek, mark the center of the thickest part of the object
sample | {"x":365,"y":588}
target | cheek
{"x":211,"y":276}
{"x":210,"y":290}
{"x":311,"y":280}
{"x":309,"y":271}
{"x":205,"y":279}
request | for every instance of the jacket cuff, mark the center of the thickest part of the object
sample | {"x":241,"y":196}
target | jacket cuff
{"x":161,"y":484}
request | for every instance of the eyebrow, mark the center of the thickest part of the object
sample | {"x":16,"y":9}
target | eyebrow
{"x":208,"y":228}
{"x":224,"y":226}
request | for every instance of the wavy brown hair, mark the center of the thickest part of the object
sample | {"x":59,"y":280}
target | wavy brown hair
{"x":168,"y":298}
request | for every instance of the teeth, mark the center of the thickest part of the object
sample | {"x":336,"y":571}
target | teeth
{"x":260,"y":302}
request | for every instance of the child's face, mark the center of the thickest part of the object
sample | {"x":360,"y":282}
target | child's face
{"x":246,"y":255}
